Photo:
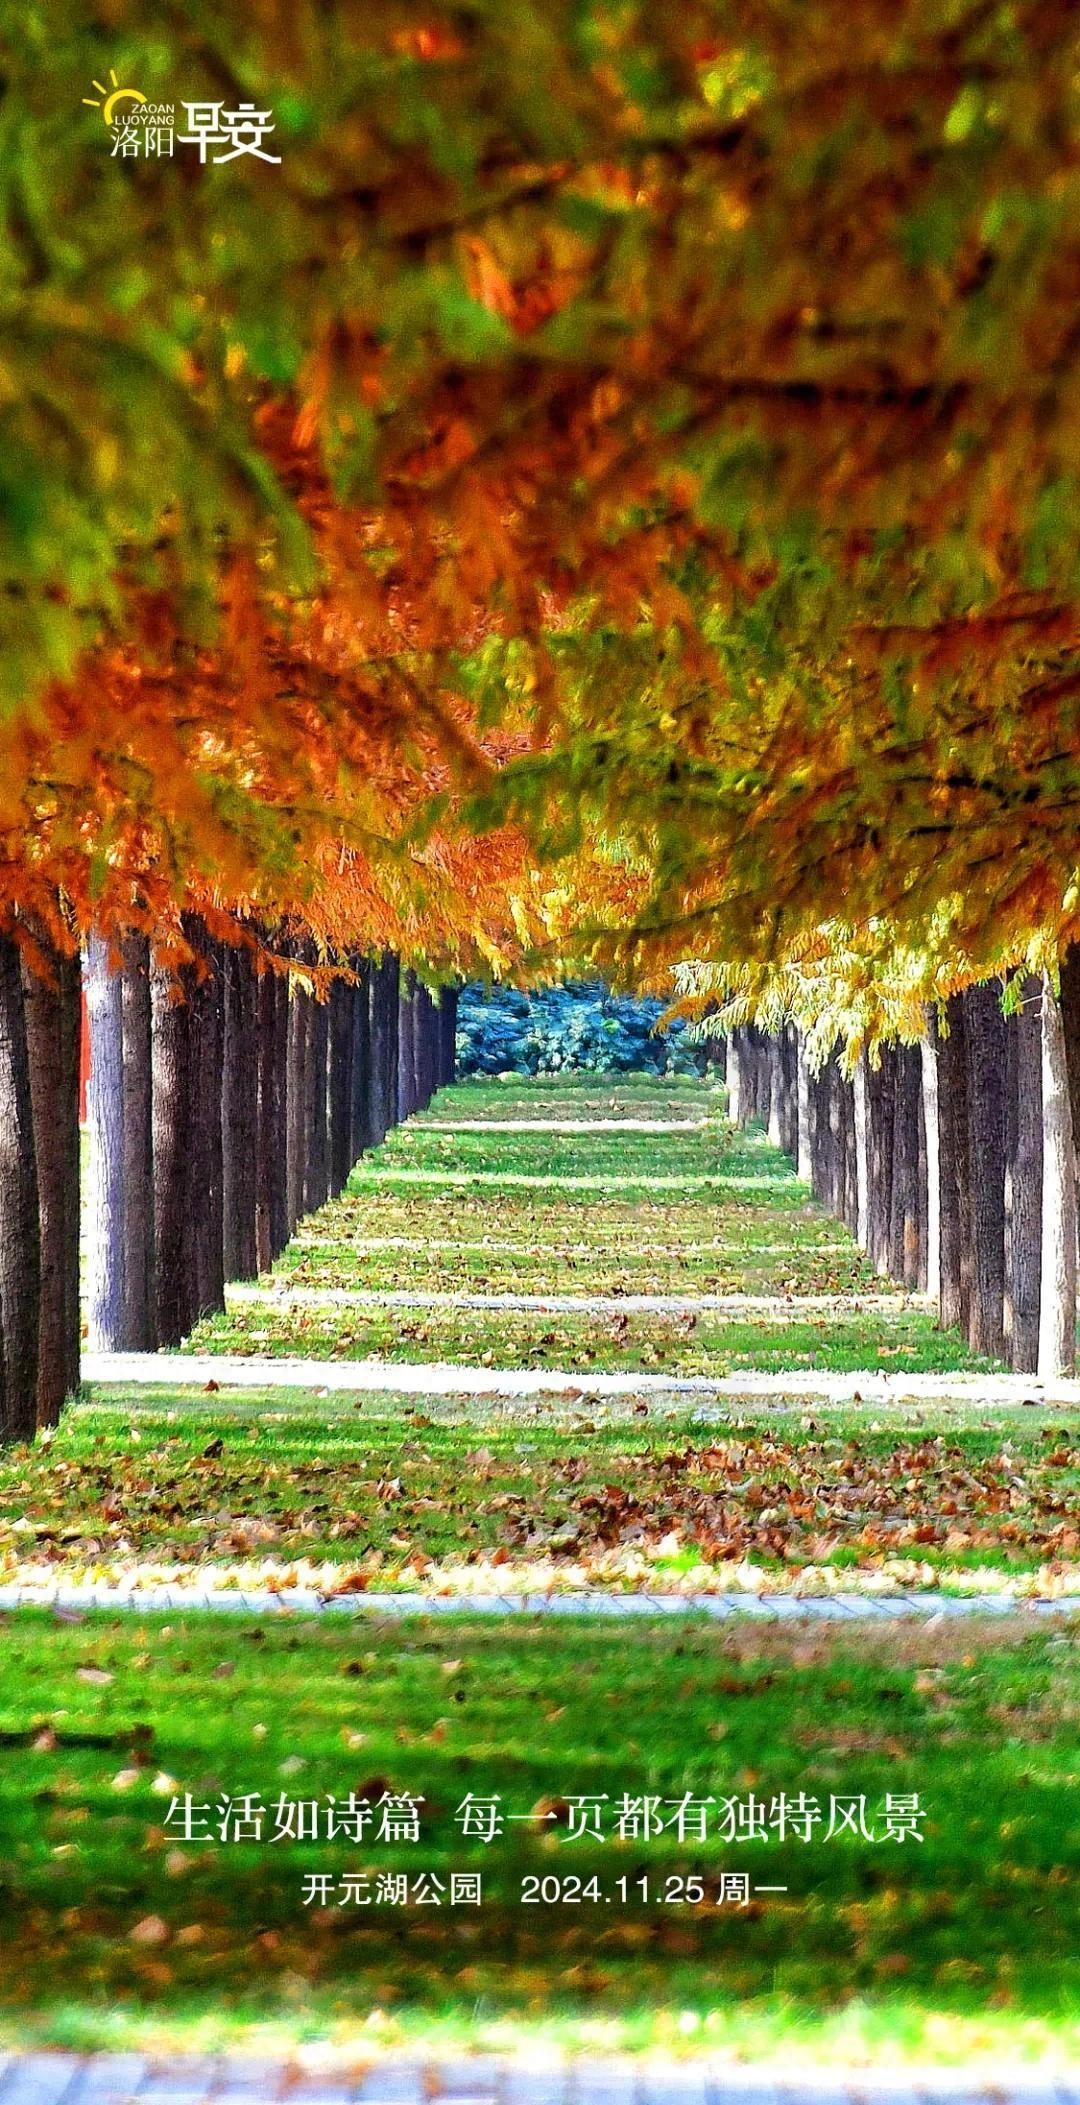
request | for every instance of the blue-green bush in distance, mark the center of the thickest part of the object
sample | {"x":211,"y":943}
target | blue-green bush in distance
{"x":580,"y":1025}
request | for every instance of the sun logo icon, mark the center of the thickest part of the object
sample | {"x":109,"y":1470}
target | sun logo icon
{"x":117,"y":94}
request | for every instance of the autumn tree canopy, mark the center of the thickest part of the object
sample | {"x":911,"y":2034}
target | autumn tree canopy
{"x":688,"y":393}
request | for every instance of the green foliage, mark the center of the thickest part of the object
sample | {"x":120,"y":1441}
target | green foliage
{"x":573,"y":1027}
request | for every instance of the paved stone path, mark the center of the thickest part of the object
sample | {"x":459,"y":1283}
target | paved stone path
{"x":595,"y":1602}
{"x":240,"y":1371}
{"x":133,"y":2079}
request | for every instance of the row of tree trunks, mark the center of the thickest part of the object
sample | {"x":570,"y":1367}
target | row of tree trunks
{"x":953,"y":1162}
{"x":53,"y":1021}
{"x":223,"y":1103}
{"x":263,"y":1096}
{"x":425,"y":1044}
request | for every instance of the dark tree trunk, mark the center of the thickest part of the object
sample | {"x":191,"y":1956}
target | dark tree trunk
{"x":53,"y":1021}
{"x":838,"y":1139}
{"x":172,"y":1144}
{"x":206,"y":1248}
{"x":239,"y":1114}
{"x":271,"y":1180}
{"x":923,"y":1180}
{"x":139,"y":1330}
{"x":406,"y":1038}
{"x":427,"y":1029}
{"x":1023,"y":1180}
{"x":849,"y":1210}
{"x":986,"y":1062}
{"x":881,"y":1094}
{"x":361,"y":1129}
{"x":903,"y":1240}
{"x":340,"y":1094}
{"x":317,"y":1174}
{"x":788,"y":1092}
{"x":819,"y":1134}
{"x":105,"y":1113}
{"x":20,"y":1246}
{"x":804,"y":1113}
{"x":734,"y":1080}
{"x":299,"y":1001}
{"x":1069,"y":1007}
{"x":762,"y":1076}
{"x":1057,"y":1288}
{"x":448,"y":1006}
{"x":955,"y":1167}
{"x":385,"y":1005}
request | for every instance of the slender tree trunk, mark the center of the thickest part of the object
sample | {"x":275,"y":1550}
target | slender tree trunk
{"x":734,"y":1081}
{"x":903,"y":1261}
{"x":1023,"y":1180}
{"x":850,"y":1214}
{"x":862,"y":1158}
{"x":205,"y":1220}
{"x":171,"y":1055}
{"x":427,"y":1047}
{"x":362,"y":1103}
{"x":340,"y":1093}
{"x":385,"y":1010}
{"x":932,"y":1279}
{"x":1057,"y":1316}
{"x":271,"y":1178}
{"x":406,"y":1073}
{"x":882,"y":1092}
{"x":448,"y":1006}
{"x":105,"y":1113}
{"x":818,"y":1136}
{"x":837,"y":1151}
{"x":317,"y":1172}
{"x":804,"y":1149}
{"x":1069,"y":1004}
{"x":239,"y":1113}
{"x":52,"y":1026}
{"x":299,"y":1002}
{"x":776,"y":1091}
{"x":986,"y":1151}
{"x":139,"y":1326}
{"x":419,"y":1047}
{"x":955,"y":1170}
{"x":762,"y":1083}
{"x":279,"y":1118}
{"x":20,"y":1246}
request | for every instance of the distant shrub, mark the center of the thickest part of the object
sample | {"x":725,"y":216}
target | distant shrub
{"x":580,"y":1025}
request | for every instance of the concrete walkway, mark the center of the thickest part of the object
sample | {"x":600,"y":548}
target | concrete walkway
{"x":593,"y":1603}
{"x":386,"y":1377}
{"x":781,"y":1307}
{"x":323,"y":2079}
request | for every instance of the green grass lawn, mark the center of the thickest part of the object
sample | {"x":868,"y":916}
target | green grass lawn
{"x":496,"y":1210}
{"x":113,"y":1927}
{"x":393,"y":1485}
{"x":623,"y":1343}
